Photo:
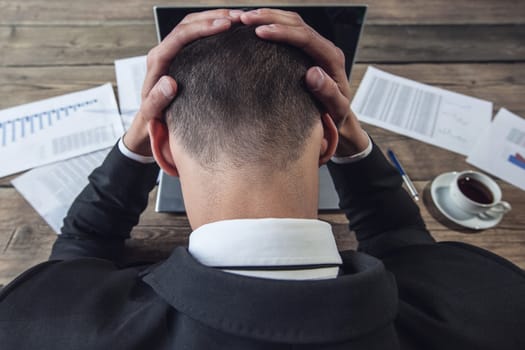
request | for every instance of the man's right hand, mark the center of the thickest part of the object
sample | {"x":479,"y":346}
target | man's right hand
{"x":328,"y":81}
{"x":159,"y":89}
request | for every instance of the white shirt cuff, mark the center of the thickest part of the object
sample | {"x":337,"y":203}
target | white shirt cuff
{"x":132,"y":155}
{"x":354,"y":157}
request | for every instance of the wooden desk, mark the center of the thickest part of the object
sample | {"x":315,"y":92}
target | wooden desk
{"x":52,"y":47}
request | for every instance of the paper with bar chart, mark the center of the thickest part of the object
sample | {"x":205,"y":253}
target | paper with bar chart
{"x":500,"y":149}
{"x":433,"y":115}
{"x":58,"y":128}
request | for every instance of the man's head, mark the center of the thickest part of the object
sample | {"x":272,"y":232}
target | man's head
{"x":243,"y":134}
{"x":241,"y":100}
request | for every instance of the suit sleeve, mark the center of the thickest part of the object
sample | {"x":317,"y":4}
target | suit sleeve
{"x":102,"y":216}
{"x":451,"y":295}
{"x":380,"y":211}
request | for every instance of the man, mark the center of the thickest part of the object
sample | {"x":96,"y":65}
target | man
{"x":260,"y":271}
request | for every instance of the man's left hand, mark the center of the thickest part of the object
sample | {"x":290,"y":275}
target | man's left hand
{"x":328,"y":81}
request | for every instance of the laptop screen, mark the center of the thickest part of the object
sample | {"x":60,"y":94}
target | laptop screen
{"x":340,"y":24}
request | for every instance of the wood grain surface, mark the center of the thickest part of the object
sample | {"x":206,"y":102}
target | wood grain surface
{"x":96,"y":45}
{"x":52,"y":47}
{"x":380,"y":11}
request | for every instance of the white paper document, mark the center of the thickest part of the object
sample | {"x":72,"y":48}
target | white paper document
{"x":58,"y":128}
{"x":130,"y":74}
{"x":52,"y":188}
{"x":500,"y":149}
{"x":442,"y":118}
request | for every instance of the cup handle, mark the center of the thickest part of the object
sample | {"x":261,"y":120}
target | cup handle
{"x":497,"y":209}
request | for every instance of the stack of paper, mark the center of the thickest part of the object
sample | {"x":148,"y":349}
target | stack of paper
{"x":130,"y":73}
{"x":442,"y":118}
{"x":51,"y":189}
{"x":445,"y":119}
{"x":500,"y":149}
{"x":58,"y":128}
{"x":54,"y":131}
{"x":64,"y":127}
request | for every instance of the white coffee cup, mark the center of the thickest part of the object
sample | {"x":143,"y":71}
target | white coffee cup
{"x":478,"y":194}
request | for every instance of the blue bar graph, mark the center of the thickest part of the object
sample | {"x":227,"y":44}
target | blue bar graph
{"x":516,"y":161}
{"x":18,"y":128}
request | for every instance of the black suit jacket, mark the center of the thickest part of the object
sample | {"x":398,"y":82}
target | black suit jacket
{"x":402,"y":290}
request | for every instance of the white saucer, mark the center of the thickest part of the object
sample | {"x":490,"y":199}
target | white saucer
{"x":439,"y":191}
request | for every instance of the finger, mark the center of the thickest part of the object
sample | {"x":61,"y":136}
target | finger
{"x":328,"y":93}
{"x":158,"y":99}
{"x":234,"y":15}
{"x":267,"y":16}
{"x":322,"y":50}
{"x":160,"y":57}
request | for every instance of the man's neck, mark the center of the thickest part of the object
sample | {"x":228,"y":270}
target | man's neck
{"x":238,"y":195}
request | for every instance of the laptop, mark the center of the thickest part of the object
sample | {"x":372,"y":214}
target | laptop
{"x":340,"y":24}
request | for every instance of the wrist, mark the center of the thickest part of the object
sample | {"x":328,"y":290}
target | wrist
{"x":139,"y":144}
{"x":352,"y":139}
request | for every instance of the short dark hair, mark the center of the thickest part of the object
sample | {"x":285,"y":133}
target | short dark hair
{"x":244,"y":96}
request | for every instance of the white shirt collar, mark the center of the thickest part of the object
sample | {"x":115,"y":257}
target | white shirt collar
{"x":266,"y":243}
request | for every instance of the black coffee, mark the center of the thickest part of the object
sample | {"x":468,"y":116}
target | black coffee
{"x":475,"y":190}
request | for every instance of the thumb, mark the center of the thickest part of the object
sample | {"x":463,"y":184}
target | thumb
{"x":159,"y":97}
{"x":326,"y":90}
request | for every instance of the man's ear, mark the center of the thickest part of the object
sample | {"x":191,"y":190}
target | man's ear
{"x":330,"y":139}
{"x":159,"y":136}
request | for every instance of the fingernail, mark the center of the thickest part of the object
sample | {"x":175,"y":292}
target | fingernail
{"x":318,"y":79}
{"x":268,"y":28}
{"x":235,"y":13}
{"x":166,"y":88}
{"x":220,"y":22}
{"x":254,"y":12}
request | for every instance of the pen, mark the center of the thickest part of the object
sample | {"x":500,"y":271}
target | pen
{"x":404,"y":176}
